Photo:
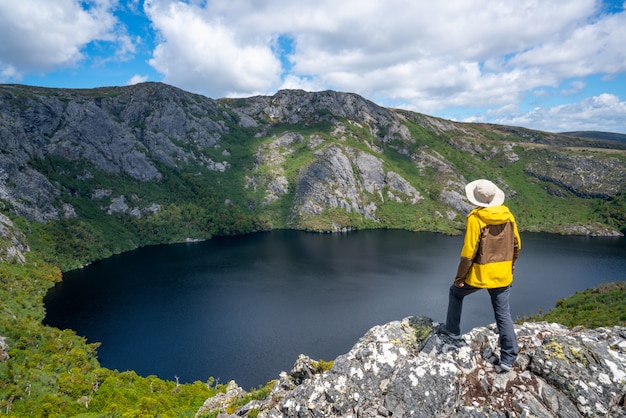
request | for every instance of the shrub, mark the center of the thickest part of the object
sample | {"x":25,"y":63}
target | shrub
{"x":603,"y":306}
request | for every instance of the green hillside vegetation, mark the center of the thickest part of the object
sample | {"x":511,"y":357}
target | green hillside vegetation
{"x":197,"y":203}
{"x":55,"y":373}
{"x":599,"y":307}
{"x":191,"y":206}
{"x":608,"y":136}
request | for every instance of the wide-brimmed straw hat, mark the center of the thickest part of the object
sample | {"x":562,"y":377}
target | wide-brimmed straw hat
{"x":484,"y":193}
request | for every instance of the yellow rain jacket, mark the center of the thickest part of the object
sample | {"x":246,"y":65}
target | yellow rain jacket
{"x":490,"y":249}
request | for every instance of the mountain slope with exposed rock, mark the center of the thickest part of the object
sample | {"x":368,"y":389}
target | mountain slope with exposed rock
{"x":127,"y":158}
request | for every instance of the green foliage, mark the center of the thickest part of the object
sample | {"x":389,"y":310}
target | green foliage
{"x":322,"y":365}
{"x":603,"y":306}
{"x":52,"y":372}
{"x":189,"y":207}
{"x":70,"y":243}
{"x":336,"y":220}
{"x":128,"y":394}
{"x":46,"y":367}
{"x":212,"y":414}
{"x":612,"y":211}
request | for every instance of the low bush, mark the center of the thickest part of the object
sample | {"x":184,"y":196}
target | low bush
{"x":603,"y":306}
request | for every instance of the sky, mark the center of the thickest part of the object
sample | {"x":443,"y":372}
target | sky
{"x":550,"y":65}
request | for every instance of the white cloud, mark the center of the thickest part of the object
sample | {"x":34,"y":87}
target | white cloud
{"x":136,"y":79}
{"x":574,"y":87}
{"x":601,"y":113}
{"x":431,"y":55}
{"x":480,"y":56}
{"x":202,"y":53}
{"x":39,"y":36}
{"x":8,"y":72}
{"x":595,"y":48}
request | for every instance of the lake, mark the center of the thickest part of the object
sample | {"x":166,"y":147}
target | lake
{"x":243,"y":308}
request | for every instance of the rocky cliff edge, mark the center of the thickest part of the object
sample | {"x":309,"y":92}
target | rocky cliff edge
{"x":408,"y":369}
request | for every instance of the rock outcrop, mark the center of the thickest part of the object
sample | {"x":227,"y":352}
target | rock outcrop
{"x":125,"y":131}
{"x":3,"y":349}
{"x":585,"y":176}
{"x":13,"y":246}
{"x":303,"y":158}
{"x":406,"y":368}
{"x":298,"y":107}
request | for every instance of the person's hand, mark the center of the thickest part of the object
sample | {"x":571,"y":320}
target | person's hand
{"x":459,"y":281}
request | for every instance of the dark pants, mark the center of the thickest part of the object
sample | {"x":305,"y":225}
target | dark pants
{"x":501,"y":310}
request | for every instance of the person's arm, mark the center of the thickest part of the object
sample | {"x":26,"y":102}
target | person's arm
{"x":470,"y":246}
{"x":517,"y":245}
{"x":461,"y":272}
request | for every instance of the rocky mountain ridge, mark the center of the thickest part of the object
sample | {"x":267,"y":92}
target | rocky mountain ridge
{"x":119,"y":131}
{"x":324,"y":161}
{"x":407,"y":368}
{"x":609,"y":136}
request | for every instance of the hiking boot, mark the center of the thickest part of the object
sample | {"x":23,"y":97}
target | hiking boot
{"x":443,"y":330}
{"x":505,"y":368}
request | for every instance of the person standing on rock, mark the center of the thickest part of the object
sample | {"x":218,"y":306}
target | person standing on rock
{"x":491,"y":246}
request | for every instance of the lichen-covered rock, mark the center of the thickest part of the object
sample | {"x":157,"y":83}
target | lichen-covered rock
{"x":126,"y":131}
{"x":305,"y":108}
{"x":349,"y":179}
{"x":406,"y":368}
{"x":221,"y":401}
{"x":328,"y":183}
{"x":3,"y":349}
{"x":13,"y":246}
{"x":585,"y":176}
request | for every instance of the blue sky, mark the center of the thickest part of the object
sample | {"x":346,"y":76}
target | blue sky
{"x":542,"y":64}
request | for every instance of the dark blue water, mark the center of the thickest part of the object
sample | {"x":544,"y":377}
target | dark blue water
{"x":245,"y":307}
